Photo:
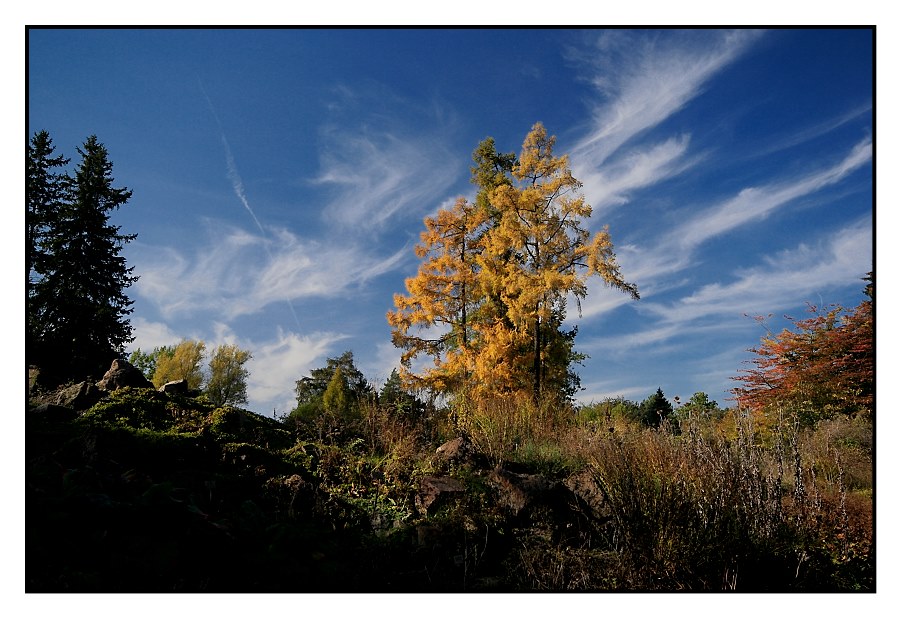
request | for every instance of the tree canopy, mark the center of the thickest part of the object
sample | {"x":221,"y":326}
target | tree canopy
{"x":822,"y":366}
{"x":496,"y":275}
{"x":227,"y":384}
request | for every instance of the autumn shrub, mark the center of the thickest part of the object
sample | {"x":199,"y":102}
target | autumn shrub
{"x":394,"y":440}
{"x":612,"y":415}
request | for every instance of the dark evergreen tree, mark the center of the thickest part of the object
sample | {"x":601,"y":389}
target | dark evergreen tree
{"x":655,"y":409}
{"x":398,"y":399}
{"x":46,"y":190}
{"x":80,"y":308}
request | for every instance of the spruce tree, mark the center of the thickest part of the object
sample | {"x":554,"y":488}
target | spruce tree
{"x":80,"y":307}
{"x":655,"y":409}
{"x":46,"y":190}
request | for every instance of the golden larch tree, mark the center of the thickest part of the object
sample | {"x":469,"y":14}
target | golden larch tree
{"x":496,"y":276}
{"x":539,"y":252}
{"x":442,"y":298}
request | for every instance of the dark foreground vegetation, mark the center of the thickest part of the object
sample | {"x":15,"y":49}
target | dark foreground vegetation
{"x":153,"y":492}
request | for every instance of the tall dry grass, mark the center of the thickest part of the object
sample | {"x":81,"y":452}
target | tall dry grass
{"x":730,"y":503}
{"x":695,"y":511}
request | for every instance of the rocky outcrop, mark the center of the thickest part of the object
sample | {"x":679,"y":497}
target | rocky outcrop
{"x":584,"y":486}
{"x":54,"y":413}
{"x":122,"y":374}
{"x":435,"y":491}
{"x":79,"y":396}
{"x":520,"y":491}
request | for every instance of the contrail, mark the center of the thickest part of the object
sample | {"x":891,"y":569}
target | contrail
{"x":238,"y":185}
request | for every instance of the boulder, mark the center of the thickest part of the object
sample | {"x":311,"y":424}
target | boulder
{"x":435,"y":491}
{"x":179,"y":386}
{"x":520,"y":491}
{"x":79,"y":396}
{"x":459,"y":450}
{"x":122,"y":374}
{"x":584,"y":486}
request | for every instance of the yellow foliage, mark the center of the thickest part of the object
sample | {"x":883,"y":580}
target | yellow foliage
{"x":183,"y":363}
{"x":495,"y":279}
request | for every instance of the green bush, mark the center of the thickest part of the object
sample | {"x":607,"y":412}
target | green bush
{"x":132,"y":407}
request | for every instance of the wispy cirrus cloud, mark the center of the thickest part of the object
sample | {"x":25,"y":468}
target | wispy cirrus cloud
{"x":755,"y":203}
{"x":652,"y":264}
{"x":239,"y":273}
{"x":376,"y":176}
{"x":612,"y":184}
{"x":782,"y":279}
{"x":683,"y":327}
{"x":376,"y":168}
{"x":778,"y":283}
{"x":643,"y":78}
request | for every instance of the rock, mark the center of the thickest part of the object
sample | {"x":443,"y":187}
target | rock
{"x":79,"y":397}
{"x":122,"y":374}
{"x":435,"y":491}
{"x":459,"y":450}
{"x":519,"y":491}
{"x":179,"y":386}
{"x":585,"y":487}
{"x":54,"y":413}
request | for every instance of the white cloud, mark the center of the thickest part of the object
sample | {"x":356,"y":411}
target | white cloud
{"x":651,"y":266}
{"x":148,"y":335}
{"x":717,"y":312}
{"x":646,"y":78}
{"x":239,"y":273}
{"x":595,"y":392}
{"x":756,"y":203}
{"x":377,"y":175}
{"x":791,"y":277}
{"x":612,"y":184}
{"x":278,"y":363}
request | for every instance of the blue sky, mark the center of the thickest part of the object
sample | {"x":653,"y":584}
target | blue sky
{"x":280,"y":179}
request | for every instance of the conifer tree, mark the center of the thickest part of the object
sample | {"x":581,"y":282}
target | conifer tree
{"x":337,"y":399}
{"x":540,"y":222}
{"x":79,"y":307}
{"x":497,"y":289}
{"x":46,"y":191}
{"x":655,"y":409}
{"x":311,"y":388}
{"x":445,"y":295}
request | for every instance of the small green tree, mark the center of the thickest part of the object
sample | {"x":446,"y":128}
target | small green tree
{"x":655,"y":409}
{"x":227,"y":383}
{"x":310,"y":388}
{"x":146,"y":362}
{"x":699,"y":406}
{"x":337,"y":397}
{"x":397,"y":398}
{"x":183,"y":363}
